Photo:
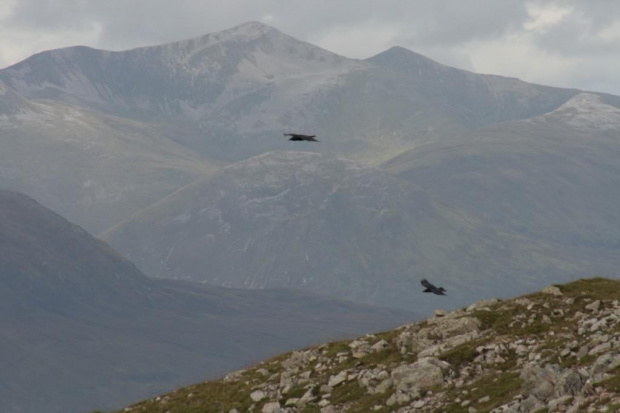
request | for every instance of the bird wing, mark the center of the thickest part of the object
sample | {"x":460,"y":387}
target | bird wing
{"x":300,"y":137}
{"x":426,"y":284}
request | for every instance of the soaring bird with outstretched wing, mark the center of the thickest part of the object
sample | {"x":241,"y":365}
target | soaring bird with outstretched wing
{"x":300,"y":137}
{"x":430,"y":288}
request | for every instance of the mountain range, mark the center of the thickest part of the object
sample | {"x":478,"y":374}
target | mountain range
{"x":82,"y":328}
{"x":123,"y":129}
{"x":528,"y":170}
{"x":174,"y":154}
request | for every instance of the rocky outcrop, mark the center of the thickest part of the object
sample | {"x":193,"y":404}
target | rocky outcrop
{"x":555,"y":351}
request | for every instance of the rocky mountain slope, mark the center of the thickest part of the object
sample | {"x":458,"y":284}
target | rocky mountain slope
{"x":81,"y":327}
{"x":332,"y":226}
{"x":553,"y":351}
{"x":164,"y":111}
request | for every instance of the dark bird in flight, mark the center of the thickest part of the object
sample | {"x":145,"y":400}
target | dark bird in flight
{"x":299,"y":137}
{"x":430,"y":288}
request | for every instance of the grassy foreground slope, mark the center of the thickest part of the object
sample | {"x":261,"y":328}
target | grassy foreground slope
{"x":555,"y":350}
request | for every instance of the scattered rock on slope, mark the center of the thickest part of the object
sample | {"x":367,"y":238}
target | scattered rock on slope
{"x":558,"y":350}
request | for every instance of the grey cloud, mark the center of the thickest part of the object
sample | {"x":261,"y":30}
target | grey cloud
{"x":449,"y":23}
{"x":129,"y":23}
{"x":47,"y":15}
{"x":600,"y":13}
{"x":579,"y":36}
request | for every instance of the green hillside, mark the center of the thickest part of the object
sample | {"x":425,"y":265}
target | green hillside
{"x":555,"y":350}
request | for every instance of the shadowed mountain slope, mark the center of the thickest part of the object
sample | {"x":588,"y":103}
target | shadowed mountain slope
{"x":81,"y":327}
{"x":94,"y":168}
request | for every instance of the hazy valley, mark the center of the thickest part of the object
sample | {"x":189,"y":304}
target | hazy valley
{"x":83,"y":328}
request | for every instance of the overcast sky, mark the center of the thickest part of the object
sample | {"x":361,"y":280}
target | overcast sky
{"x":566,"y":43}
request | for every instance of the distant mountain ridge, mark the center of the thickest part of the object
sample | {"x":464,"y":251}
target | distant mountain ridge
{"x":208,"y":79}
{"x":222,"y":98}
{"x":184,"y":79}
{"x":479,"y":99}
{"x":198,"y":75}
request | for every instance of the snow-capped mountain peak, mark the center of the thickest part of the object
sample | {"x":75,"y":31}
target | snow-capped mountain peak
{"x":245,"y":31}
{"x":188,"y":78}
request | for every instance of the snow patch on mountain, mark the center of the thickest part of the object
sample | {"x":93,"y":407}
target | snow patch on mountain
{"x":45,"y":116}
{"x":39,"y":116}
{"x":587,"y":111}
{"x":241,"y":33}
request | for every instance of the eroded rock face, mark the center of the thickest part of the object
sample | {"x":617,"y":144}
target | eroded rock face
{"x":541,"y":382}
{"x":552,"y":290}
{"x":271,"y":407}
{"x":444,"y":333}
{"x":603,"y":365}
{"x":424,"y":373}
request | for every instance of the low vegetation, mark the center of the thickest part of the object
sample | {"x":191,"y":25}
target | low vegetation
{"x":545,"y":352}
